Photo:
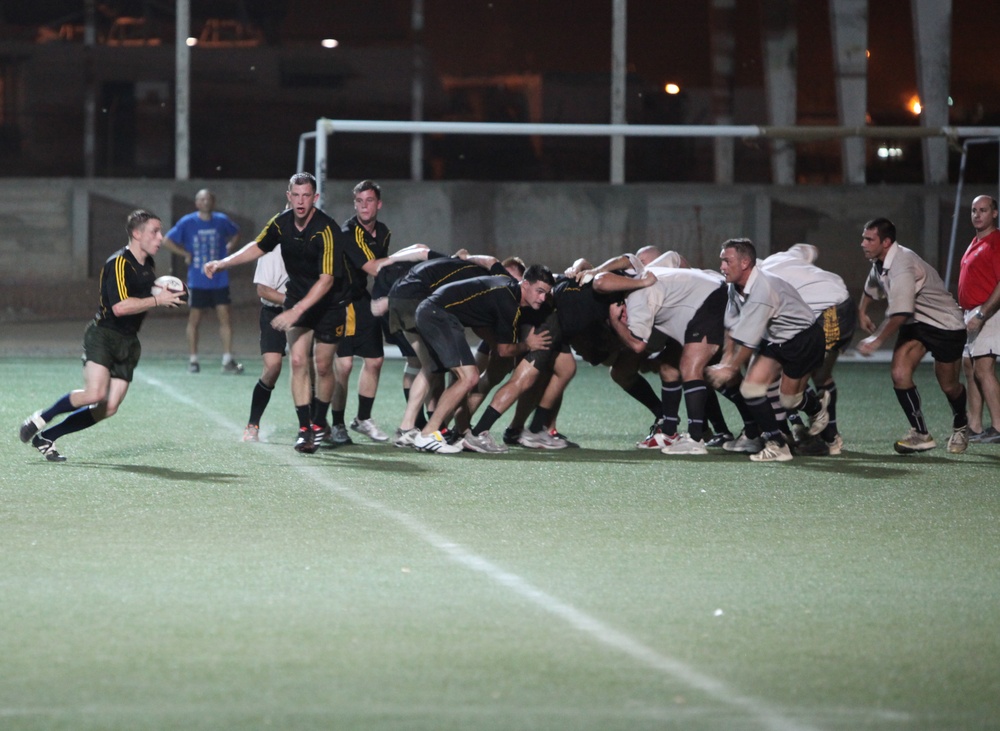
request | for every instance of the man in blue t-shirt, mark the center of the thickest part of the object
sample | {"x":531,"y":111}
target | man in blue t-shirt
{"x":199,"y":237}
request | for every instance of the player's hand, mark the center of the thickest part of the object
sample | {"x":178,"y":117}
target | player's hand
{"x":167,"y":298}
{"x":538,"y":339}
{"x":868,"y":346}
{"x":648,"y":280}
{"x":865,"y":323}
{"x":211,"y":267}
{"x":720,"y":375}
{"x":584,"y":276}
{"x":285,"y":321}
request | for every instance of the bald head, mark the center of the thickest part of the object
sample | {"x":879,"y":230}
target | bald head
{"x":984,"y":215}
{"x":646,"y":254}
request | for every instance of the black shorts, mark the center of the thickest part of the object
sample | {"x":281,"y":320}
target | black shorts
{"x":271,"y":340}
{"x":945,"y":346}
{"x":801,"y":355}
{"x":397,"y":338}
{"x":543,"y":359}
{"x":839,"y":324}
{"x":707,"y":321}
{"x":366,"y":342}
{"x":204,"y":299}
{"x":403,"y":314}
{"x":329,"y":323}
{"x":444,"y":335}
{"x":117,"y":352}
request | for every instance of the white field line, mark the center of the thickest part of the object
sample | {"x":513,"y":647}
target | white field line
{"x":592,"y":627}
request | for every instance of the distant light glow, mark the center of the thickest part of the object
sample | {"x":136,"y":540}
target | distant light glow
{"x":914,"y":105}
{"x":672,"y":89}
{"x":890,"y":153}
{"x":192,"y":41}
{"x":329,"y":43}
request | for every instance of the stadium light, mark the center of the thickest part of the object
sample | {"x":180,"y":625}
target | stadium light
{"x":329,"y":43}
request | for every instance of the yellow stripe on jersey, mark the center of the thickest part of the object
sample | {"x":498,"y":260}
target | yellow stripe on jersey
{"x":263,"y":231}
{"x":359,"y":237}
{"x":477,"y":294}
{"x":517,"y":319}
{"x":120,"y":278}
{"x":327,"y":251}
{"x":445,"y":278}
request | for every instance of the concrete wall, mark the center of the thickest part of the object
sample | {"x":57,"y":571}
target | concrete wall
{"x":55,"y":233}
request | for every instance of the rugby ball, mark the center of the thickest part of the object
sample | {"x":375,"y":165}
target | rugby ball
{"x":167,"y":283}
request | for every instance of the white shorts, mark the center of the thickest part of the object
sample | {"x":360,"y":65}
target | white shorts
{"x":986,"y":341}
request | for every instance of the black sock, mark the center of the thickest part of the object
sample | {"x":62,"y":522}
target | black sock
{"x":540,"y":420}
{"x":486,"y":421}
{"x":763,"y":416}
{"x":82,"y":418}
{"x":695,"y":396}
{"x":641,"y":391}
{"x":713,"y":412}
{"x":259,"y":401}
{"x":302,"y":412}
{"x":318,"y":412}
{"x":958,"y":416}
{"x":337,"y":418}
{"x":365,"y":407}
{"x":670,"y":406}
{"x":909,"y":399}
{"x":62,"y":406}
{"x":751,"y":430}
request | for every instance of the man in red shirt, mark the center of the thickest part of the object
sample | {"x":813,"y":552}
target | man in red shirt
{"x":979,"y":297}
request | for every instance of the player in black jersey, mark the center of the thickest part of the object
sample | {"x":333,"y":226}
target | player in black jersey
{"x":317,"y":312}
{"x":492,"y":307}
{"x":364,"y":243}
{"x":111,"y":347}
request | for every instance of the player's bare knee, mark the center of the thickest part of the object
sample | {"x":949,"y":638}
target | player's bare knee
{"x":791,"y":401}
{"x":750,"y":390}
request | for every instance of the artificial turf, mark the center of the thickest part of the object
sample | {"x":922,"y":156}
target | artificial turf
{"x":170,"y":577}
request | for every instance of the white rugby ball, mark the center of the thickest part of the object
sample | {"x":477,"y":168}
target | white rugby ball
{"x":167,"y":283}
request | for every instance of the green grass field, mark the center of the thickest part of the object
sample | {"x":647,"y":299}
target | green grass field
{"x":170,"y":577}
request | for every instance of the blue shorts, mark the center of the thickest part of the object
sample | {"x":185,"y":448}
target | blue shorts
{"x":203,"y":299}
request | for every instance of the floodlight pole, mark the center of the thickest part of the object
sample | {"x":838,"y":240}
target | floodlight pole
{"x":182,"y":132}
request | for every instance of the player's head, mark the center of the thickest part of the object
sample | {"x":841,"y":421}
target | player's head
{"x":515,"y":266}
{"x":806,"y":252}
{"x":367,"y":201}
{"x":647,"y":254}
{"x":536,"y":285}
{"x":368,"y":185}
{"x":737,"y":260}
{"x":879,"y":234}
{"x":302,"y":195}
{"x":144,"y":230}
{"x":984,"y":213}
{"x":300,"y":179}
{"x":204,"y":200}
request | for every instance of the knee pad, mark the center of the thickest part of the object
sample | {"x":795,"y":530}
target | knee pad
{"x":753,"y":390}
{"x":790,"y":402}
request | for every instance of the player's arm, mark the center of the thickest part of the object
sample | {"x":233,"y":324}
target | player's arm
{"x":534,"y":340}
{"x":609,"y":282}
{"x":232,"y":243}
{"x":611,"y":265}
{"x":415,"y":252}
{"x":175,"y":248}
{"x":864,"y":321}
{"x":735,"y":357}
{"x":985,"y":311}
{"x":270,"y":294}
{"x":618,"y":316}
{"x":889,"y":327}
{"x":250,"y":252}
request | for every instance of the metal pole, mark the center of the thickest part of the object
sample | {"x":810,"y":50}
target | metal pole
{"x":618,"y":53}
{"x":417,"y":140}
{"x":182,"y":135}
{"x":90,"y":93}
{"x":321,"y":132}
